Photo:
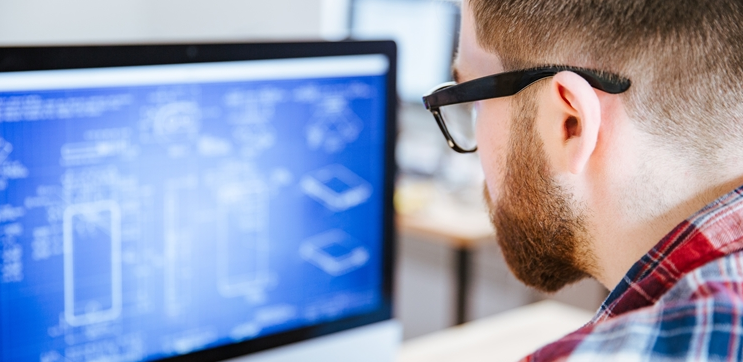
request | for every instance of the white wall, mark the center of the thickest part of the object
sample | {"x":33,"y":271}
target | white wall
{"x":26,"y":22}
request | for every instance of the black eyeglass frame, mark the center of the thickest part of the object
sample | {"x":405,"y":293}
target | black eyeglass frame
{"x":508,"y":84}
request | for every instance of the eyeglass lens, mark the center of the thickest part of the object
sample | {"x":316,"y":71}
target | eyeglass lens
{"x":460,"y":122}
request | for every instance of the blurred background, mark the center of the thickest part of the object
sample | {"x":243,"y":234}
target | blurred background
{"x":449,"y":268}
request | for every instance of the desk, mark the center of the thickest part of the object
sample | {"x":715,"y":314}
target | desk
{"x":423,"y":211}
{"x":508,"y":336}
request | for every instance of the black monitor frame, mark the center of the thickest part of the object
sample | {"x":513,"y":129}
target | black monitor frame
{"x":19,"y":59}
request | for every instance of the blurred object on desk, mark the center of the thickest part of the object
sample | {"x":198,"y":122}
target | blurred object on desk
{"x":427,"y":208}
{"x":507,"y":336}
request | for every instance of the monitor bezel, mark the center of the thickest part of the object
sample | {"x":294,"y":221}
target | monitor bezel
{"x":35,"y":58}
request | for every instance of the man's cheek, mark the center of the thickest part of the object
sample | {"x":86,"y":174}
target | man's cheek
{"x":488,"y":196}
{"x":492,"y":160}
{"x":492,"y":133}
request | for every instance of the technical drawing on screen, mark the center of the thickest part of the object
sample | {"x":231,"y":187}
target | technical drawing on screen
{"x":153,"y":211}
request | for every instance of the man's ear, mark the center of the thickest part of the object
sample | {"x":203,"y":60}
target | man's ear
{"x":570,"y":122}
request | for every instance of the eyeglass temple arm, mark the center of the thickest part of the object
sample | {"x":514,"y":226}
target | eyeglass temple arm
{"x":507,"y":84}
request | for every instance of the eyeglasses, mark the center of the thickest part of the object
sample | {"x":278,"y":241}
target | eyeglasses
{"x":451,"y":103}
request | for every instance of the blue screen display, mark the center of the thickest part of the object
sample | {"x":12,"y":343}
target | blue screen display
{"x":144,"y":221}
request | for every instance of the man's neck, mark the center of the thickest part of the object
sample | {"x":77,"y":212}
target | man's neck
{"x":659,"y":196}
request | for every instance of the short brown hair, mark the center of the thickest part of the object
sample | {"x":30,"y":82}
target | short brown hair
{"x":684,"y":57}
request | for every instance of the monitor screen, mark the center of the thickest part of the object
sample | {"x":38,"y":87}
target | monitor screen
{"x":153,"y":211}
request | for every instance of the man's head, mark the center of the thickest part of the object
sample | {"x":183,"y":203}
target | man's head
{"x":580,"y":182}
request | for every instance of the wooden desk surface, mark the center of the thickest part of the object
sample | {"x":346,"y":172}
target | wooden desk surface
{"x":508,"y":336}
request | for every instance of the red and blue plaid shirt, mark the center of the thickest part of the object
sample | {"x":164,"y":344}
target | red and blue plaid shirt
{"x":682,"y":301}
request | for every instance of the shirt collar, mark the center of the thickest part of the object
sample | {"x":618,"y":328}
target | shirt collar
{"x":713,"y":232}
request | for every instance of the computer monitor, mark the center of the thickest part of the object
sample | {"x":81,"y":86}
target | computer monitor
{"x":196,"y":202}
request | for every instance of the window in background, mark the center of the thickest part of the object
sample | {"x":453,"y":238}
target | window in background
{"x":335,"y":19}
{"x":425,"y":32}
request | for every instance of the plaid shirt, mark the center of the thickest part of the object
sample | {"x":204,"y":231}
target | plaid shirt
{"x":682,"y":301}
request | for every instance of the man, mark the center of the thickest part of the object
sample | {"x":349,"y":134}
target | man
{"x":612,"y":148}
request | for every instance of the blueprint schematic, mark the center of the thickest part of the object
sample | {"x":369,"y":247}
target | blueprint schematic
{"x":138,"y":222}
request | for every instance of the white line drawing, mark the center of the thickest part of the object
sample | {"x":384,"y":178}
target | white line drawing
{"x":279,"y":178}
{"x":176,"y":121}
{"x":335,"y":252}
{"x":254,"y":110}
{"x":333,"y":125}
{"x":245,"y":330}
{"x":256,"y":105}
{"x":177,"y":248}
{"x":191,"y":340}
{"x":119,"y":347}
{"x":312,"y":93}
{"x":5,"y":149}
{"x":108,"y":134}
{"x":265,"y":317}
{"x":9,"y":212}
{"x":82,"y":218}
{"x":11,"y":254}
{"x":308,"y":93}
{"x":359,"y":90}
{"x":336,"y":187}
{"x":254,"y":137}
{"x":9,"y":169}
{"x":90,"y":152}
{"x":210,"y":146}
{"x":242,"y":238}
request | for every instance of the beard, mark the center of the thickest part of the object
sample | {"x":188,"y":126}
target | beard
{"x":541,"y":233}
